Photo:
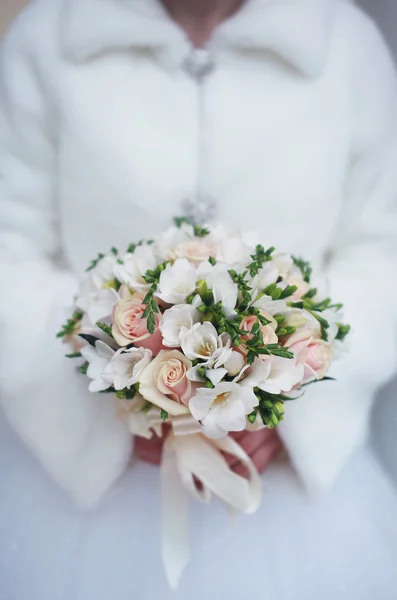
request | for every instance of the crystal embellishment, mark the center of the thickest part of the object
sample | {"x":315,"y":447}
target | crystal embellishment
{"x":199,"y":64}
{"x":200,"y":210}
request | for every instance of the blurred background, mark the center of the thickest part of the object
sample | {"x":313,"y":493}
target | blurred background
{"x":384,"y":427}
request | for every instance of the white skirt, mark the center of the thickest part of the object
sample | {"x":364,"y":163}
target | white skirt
{"x":342,"y":547}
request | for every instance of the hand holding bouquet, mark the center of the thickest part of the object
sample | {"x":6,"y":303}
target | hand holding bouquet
{"x":208,"y":334}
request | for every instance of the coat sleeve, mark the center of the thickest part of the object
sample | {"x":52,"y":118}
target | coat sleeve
{"x":332,"y":419}
{"x":74,"y":434}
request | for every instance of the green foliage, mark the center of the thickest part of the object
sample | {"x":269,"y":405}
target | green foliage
{"x":74,"y":355}
{"x":69,"y":327}
{"x":245,"y":290}
{"x":259,"y":258}
{"x":127,"y":394}
{"x":153,"y":278}
{"x":105,"y":328}
{"x":94,"y":262}
{"x":271,"y":408}
{"x":343,"y":331}
{"x":163,"y":415}
{"x":199,"y":231}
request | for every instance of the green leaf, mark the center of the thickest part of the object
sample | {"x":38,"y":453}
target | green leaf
{"x":74,"y":355}
{"x":69,"y":327}
{"x":163,"y":415}
{"x":84,"y":368}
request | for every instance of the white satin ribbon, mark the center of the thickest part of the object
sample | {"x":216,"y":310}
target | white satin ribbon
{"x":186,"y":457}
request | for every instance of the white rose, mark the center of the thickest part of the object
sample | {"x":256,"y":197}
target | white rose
{"x":176,"y":317}
{"x":223,"y":408}
{"x":135,"y":266}
{"x":177,"y":282}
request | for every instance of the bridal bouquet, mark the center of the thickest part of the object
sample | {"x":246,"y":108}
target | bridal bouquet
{"x":194,"y":335}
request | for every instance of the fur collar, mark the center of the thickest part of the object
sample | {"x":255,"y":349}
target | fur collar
{"x":298,"y":31}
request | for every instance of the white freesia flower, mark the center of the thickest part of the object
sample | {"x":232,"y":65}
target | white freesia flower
{"x":333,"y":317}
{"x":177,"y":282}
{"x":125,"y":366}
{"x":235,"y":363}
{"x":267,"y":275}
{"x":135,"y":266}
{"x":268,"y":305}
{"x":220,"y":283}
{"x":203,"y":342}
{"x":108,"y":367}
{"x":100,"y":278}
{"x":176,"y":317}
{"x":284,"y":264}
{"x":273,"y":374}
{"x":234,"y":250}
{"x":223,"y":408}
{"x":101,"y":306}
{"x":98,"y":358}
{"x":300,"y":319}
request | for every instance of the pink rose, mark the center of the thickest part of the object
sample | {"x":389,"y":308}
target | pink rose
{"x":165,"y":384}
{"x":312,"y":352}
{"x":268,"y":331}
{"x":130,"y":327}
{"x":196,"y":251}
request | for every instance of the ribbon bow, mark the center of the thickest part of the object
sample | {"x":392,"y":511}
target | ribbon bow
{"x":188,"y":458}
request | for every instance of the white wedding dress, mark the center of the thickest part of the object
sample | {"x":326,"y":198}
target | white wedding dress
{"x":343,"y":546}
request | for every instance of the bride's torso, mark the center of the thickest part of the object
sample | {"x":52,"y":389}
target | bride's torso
{"x":138,"y":135}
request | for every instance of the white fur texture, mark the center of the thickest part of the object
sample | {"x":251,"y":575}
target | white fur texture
{"x":98,"y":147}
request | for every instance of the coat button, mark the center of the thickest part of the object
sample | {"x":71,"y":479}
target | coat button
{"x":199,"y":63}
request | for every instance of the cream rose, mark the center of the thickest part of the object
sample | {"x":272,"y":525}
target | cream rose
{"x":311,"y":351}
{"x":130,"y":327}
{"x":165,"y":384}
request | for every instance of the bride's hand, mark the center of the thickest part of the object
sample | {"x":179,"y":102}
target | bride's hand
{"x":261,"y":446}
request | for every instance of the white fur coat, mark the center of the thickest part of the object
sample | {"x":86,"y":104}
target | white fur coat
{"x":98,"y":147}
